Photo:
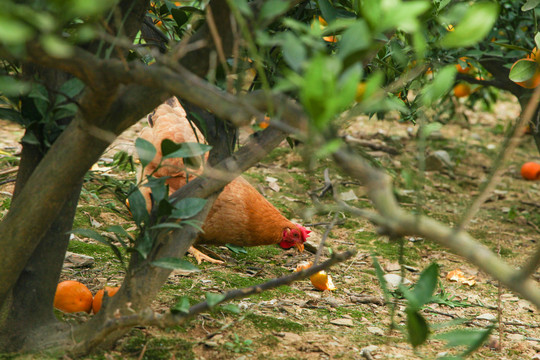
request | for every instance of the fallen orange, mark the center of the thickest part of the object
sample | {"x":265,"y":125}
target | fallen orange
{"x":322,"y":281}
{"x":530,"y":171}
{"x":72,"y":296}
{"x":96,"y":305}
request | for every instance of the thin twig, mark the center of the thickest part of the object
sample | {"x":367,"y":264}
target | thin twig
{"x":323,"y":240}
{"x":148,"y":317}
{"x":9,"y":171}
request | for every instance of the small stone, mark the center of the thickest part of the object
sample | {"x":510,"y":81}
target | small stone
{"x":489,"y":317}
{"x":342,"y":322}
{"x":375,"y":330}
{"x":291,"y":338}
{"x":371,"y":348}
{"x":393,"y":281}
{"x":438,"y":160}
{"x":348,"y":196}
{"x":73,"y":260}
{"x":516,"y":337}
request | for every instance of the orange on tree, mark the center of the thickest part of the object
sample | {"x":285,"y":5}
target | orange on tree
{"x":360,"y":91}
{"x":98,"y":299}
{"x":462,"y":90}
{"x":72,"y":296}
{"x":530,"y":171}
{"x":461,"y":69}
{"x":534,"y":81}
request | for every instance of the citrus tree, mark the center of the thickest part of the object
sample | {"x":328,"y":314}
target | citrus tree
{"x":78,"y":73}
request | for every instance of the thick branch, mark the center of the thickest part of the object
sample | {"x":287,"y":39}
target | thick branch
{"x":400,"y":223}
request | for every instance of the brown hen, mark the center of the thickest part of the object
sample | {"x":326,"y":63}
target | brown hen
{"x":240,"y":215}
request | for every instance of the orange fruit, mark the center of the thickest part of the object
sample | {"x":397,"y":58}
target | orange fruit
{"x":264,"y":124}
{"x":331,"y":39}
{"x":322,"y":21}
{"x":461,"y":69}
{"x":450,"y":27}
{"x":96,"y":305}
{"x":534,"y":81}
{"x":322,"y":281}
{"x":72,"y":296}
{"x":360,"y":91}
{"x":530,"y":171}
{"x":462,"y":90}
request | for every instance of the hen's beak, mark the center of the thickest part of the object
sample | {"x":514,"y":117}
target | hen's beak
{"x":299,"y":246}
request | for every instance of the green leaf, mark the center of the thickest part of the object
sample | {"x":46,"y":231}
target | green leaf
{"x":440,"y":86}
{"x":537,"y":39}
{"x":243,"y":7}
{"x":181,"y":306}
{"x":160,"y":190}
{"x":473,"y":339}
{"x":430,"y":128}
{"x":13,"y":31}
{"x":213,"y":299}
{"x":329,"y":14}
{"x":194,"y":223}
{"x":145,"y":245}
{"x":145,"y":150}
{"x":120,"y":231}
{"x":183,"y":150}
{"x":9,"y":86}
{"x":380,"y":276}
{"x":137,"y":206}
{"x":180,"y":16}
{"x":232,"y":308}
{"x":530,"y":5}
{"x":523,"y":70}
{"x":187,"y":208}
{"x":11,"y":115}
{"x":89,"y":233}
{"x":417,"y":328}
{"x":294,"y":51}
{"x":273,"y":8}
{"x":426,"y":284}
{"x":356,"y":38}
{"x":174,"y":264}
{"x":471,"y":29}
{"x":236,"y":249}
{"x":56,"y":46}
{"x":167,"y":225}
{"x":71,"y":88}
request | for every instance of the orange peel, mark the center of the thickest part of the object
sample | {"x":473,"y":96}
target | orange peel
{"x":322,"y":281}
{"x":458,"y":276}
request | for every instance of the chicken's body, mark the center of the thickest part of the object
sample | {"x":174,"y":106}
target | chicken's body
{"x":240,"y":214}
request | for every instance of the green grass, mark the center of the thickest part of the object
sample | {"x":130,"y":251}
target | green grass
{"x":157,"y":348}
{"x":263,"y":322}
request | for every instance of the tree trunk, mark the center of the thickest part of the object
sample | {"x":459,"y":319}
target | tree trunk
{"x":36,"y":286}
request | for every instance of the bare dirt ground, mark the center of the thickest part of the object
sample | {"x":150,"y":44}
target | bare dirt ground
{"x":300,"y":322}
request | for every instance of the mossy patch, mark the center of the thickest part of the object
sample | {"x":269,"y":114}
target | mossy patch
{"x":263,"y":322}
{"x":158,"y":348}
